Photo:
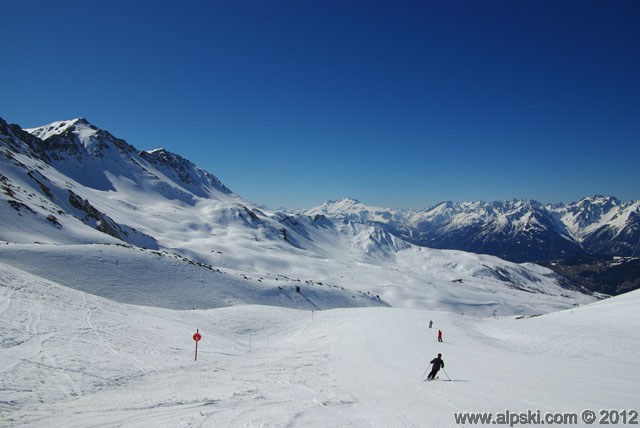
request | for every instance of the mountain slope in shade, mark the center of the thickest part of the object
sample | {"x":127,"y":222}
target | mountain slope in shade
{"x":604,"y":225}
{"x":90,"y":155}
{"x":47,"y":205}
{"x":603,"y":274}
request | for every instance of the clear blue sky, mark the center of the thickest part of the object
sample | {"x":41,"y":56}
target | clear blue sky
{"x":400,"y":104}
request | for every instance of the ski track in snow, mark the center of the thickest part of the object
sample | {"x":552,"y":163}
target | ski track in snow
{"x":94,"y":334}
{"x":73,"y":359}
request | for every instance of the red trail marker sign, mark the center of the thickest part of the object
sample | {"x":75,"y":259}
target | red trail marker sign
{"x":197,"y":338}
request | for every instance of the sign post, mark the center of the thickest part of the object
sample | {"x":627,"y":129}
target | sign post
{"x":197,"y":338}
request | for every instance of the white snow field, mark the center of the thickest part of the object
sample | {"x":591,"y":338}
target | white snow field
{"x":111,"y":258}
{"x":73,"y":359}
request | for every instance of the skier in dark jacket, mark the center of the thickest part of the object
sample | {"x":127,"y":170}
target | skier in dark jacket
{"x":437,"y":364}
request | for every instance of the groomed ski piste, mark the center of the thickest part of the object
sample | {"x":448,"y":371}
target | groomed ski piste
{"x":305,"y":321}
{"x":73,"y":359}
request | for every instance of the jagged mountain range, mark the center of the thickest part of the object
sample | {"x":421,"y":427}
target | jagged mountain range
{"x":594,"y":243}
{"x":71,"y":183}
{"x":518,"y":230}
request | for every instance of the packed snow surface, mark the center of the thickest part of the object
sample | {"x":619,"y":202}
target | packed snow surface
{"x":111,"y":259}
{"x":73,"y":359}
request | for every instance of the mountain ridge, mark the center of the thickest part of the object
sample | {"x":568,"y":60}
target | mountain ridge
{"x":84,"y":186}
{"x":594,"y":242}
{"x":599,"y":225}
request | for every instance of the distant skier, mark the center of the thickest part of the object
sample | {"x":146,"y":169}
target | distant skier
{"x":437,"y":364}
{"x":430,"y":323}
{"x":439,"y":335}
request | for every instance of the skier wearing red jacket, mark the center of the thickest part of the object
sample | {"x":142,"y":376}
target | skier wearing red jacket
{"x":439,"y":335}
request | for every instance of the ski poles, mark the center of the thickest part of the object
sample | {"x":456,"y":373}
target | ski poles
{"x":425,"y":372}
{"x":445,"y":372}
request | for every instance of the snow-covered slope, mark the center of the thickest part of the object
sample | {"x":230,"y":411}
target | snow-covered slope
{"x":98,"y":160}
{"x":161,"y":279}
{"x":110,"y":259}
{"x":68,"y":358}
{"x":604,"y":225}
{"x":518,"y":230}
{"x":350,"y":209}
{"x":83,"y":186}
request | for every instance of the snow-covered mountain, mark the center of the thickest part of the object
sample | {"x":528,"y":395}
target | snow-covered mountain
{"x":72,"y":184}
{"x":349,"y":209}
{"x":518,"y":230}
{"x":111,"y":258}
{"x":603,"y":225}
{"x":93,"y":157}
